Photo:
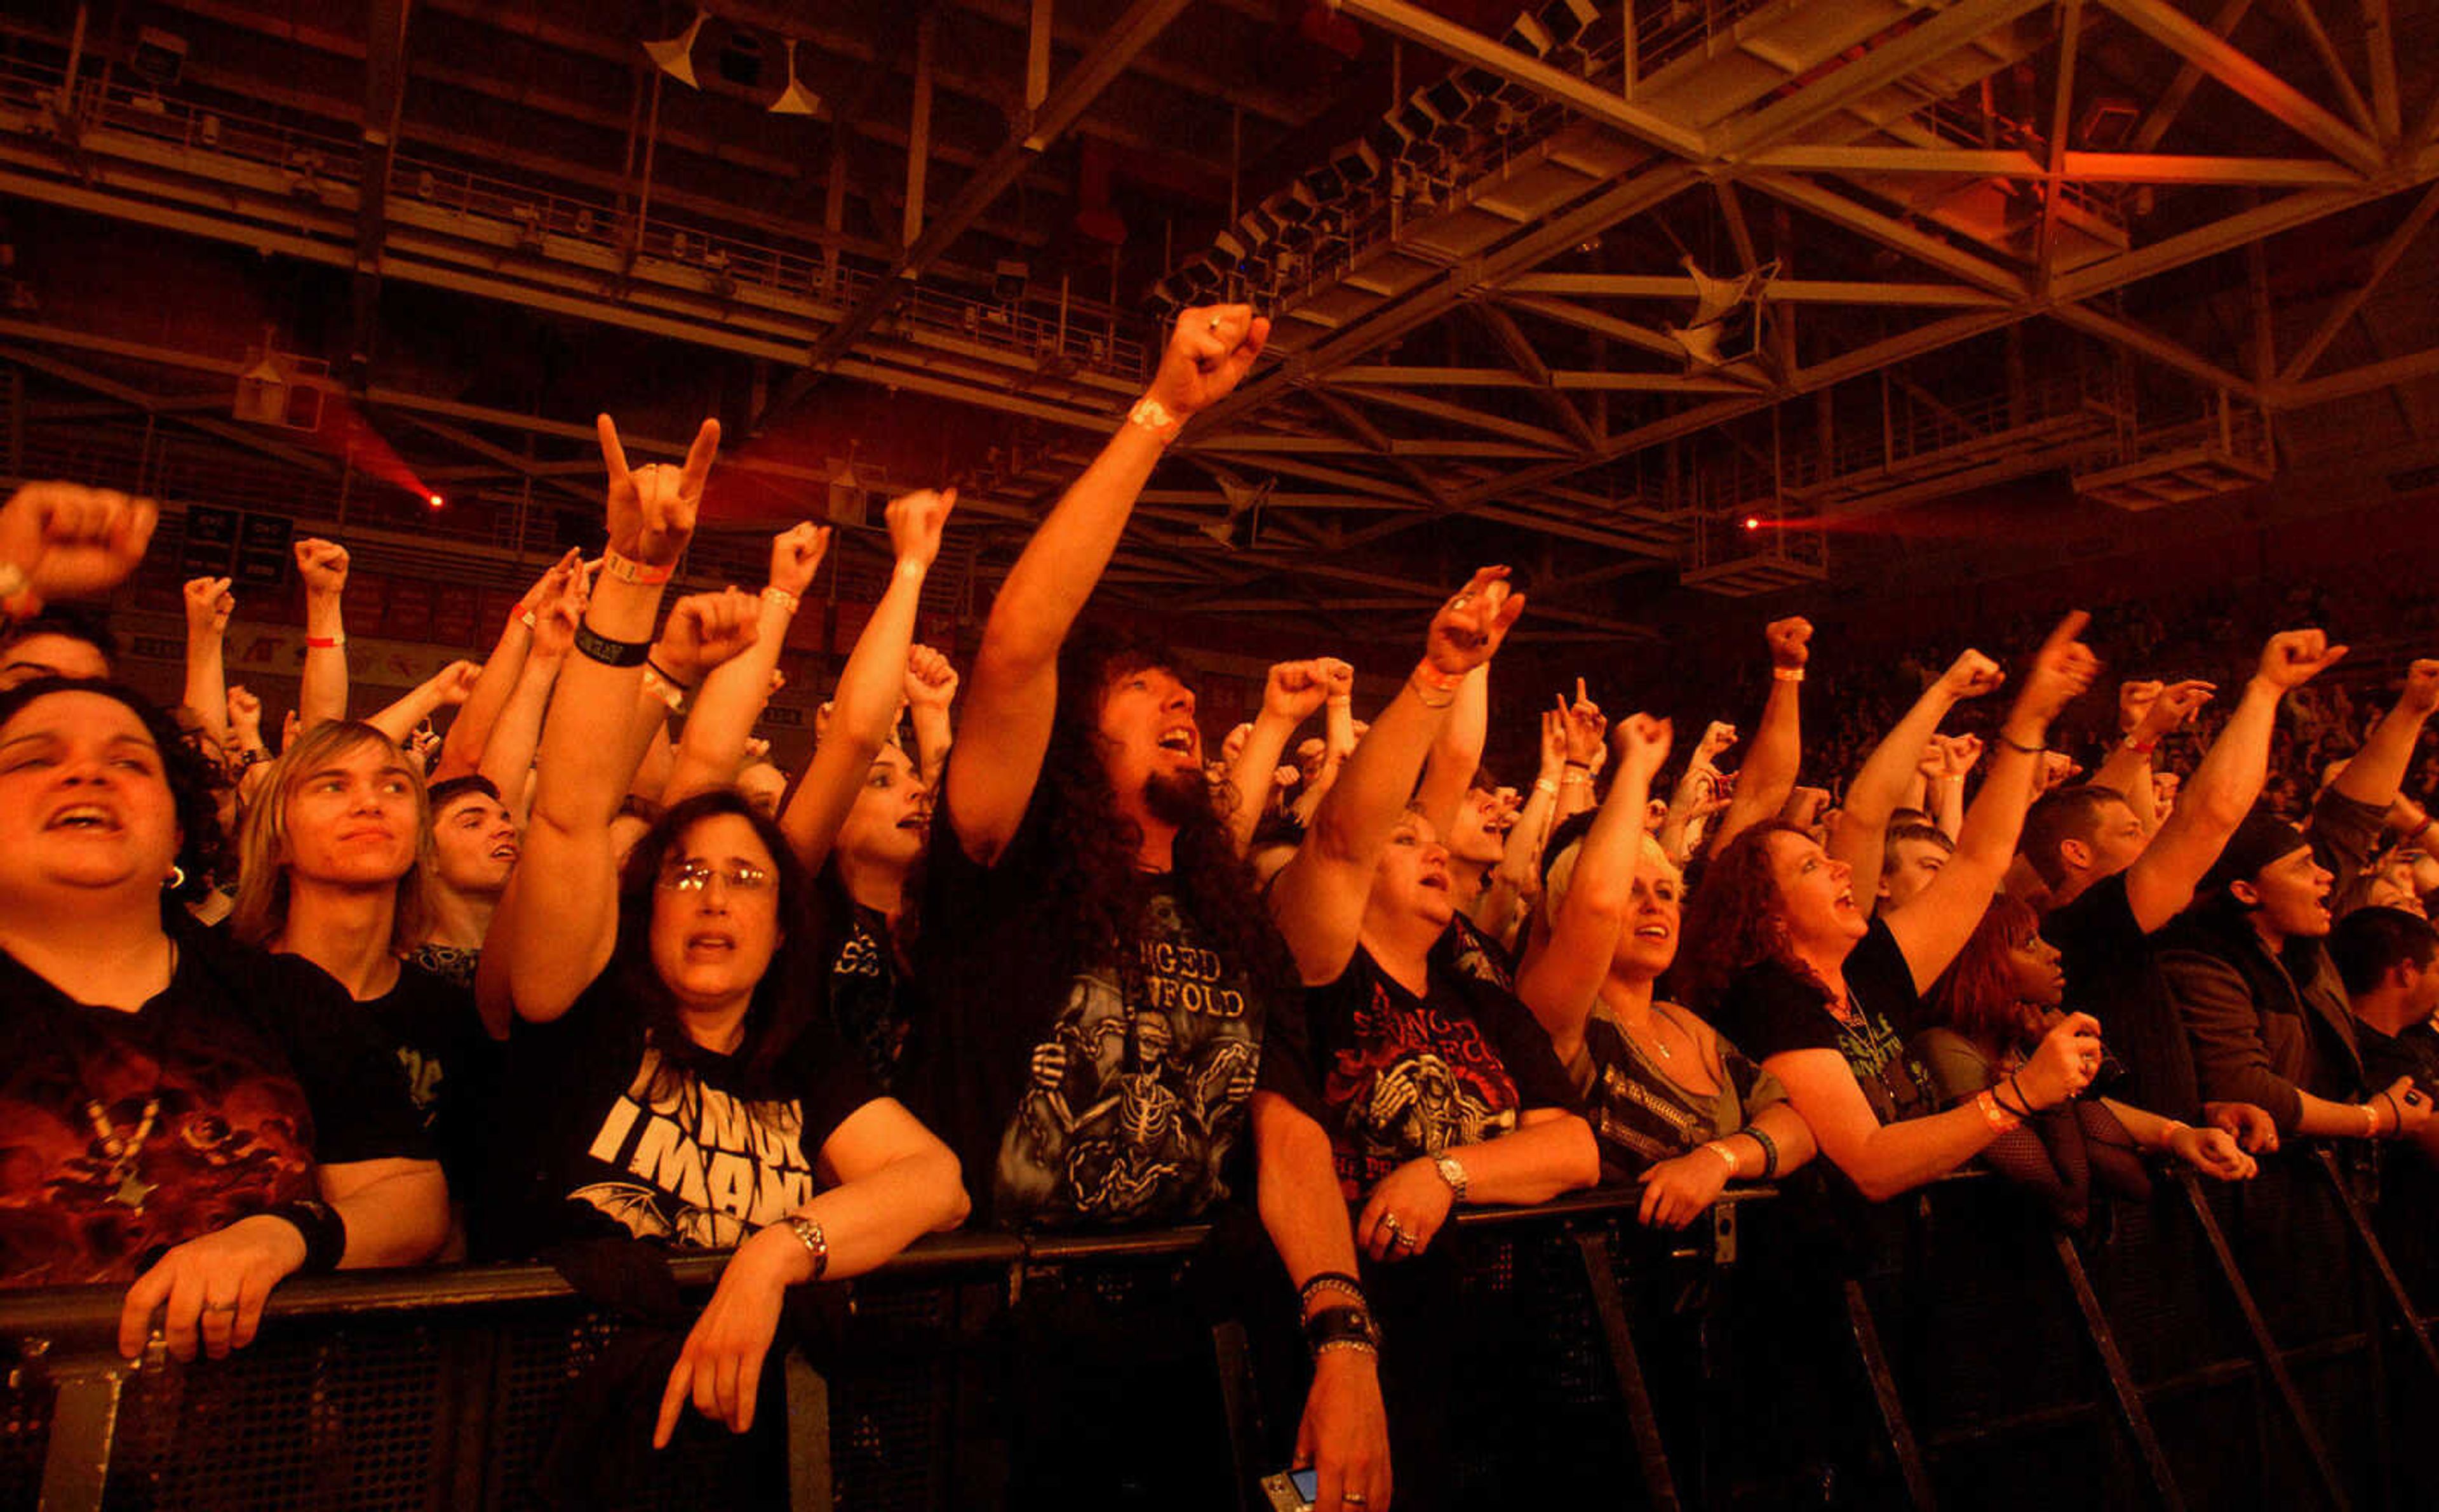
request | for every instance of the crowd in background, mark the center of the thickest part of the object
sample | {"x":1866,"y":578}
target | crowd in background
{"x":546,"y":955}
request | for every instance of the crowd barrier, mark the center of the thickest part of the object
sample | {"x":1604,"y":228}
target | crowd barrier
{"x":2246,"y":1347}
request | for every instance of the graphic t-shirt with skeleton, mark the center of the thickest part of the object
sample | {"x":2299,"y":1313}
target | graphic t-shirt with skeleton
{"x":1403,"y":1077}
{"x":1137,"y":1095}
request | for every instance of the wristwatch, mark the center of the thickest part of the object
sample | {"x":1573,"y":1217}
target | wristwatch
{"x":1451,"y":1173}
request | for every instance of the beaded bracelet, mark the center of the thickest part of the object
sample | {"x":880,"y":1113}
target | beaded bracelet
{"x":1769,"y":1150}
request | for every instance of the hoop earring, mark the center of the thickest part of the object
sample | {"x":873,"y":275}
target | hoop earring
{"x":177,"y":879}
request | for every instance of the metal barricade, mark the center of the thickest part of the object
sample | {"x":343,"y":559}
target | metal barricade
{"x":2223,"y":1347}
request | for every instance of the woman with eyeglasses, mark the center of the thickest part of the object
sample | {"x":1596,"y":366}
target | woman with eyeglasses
{"x":670,"y":1075}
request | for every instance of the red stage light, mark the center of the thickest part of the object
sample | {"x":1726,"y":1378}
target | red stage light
{"x":1753,"y":522}
{"x":433,"y":501}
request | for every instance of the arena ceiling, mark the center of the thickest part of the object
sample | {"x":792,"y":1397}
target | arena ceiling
{"x":1639,"y":296}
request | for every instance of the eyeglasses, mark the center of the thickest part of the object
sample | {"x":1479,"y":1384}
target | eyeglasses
{"x":696,"y":875}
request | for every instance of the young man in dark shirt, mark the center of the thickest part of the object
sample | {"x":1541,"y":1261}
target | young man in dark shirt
{"x":2386,"y":957}
{"x":1097,"y":968}
{"x":2114,"y":885}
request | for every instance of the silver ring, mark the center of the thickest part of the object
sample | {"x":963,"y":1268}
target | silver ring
{"x":1214,"y":324}
{"x":220,"y":1306}
{"x":1389,"y":1221}
{"x":1350,"y":1498}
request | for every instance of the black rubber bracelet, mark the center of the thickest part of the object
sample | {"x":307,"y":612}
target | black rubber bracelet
{"x":663,"y":674}
{"x":325,"y":1232}
{"x":600,"y":648}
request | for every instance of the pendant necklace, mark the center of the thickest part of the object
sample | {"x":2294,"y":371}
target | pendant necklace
{"x":125,"y":1151}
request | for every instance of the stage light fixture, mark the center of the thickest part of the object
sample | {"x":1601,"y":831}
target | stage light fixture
{"x":674,"y":56}
{"x":795,"y":99}
{"x":1009,"y":281}
{"x":1753,"y":522}
{"x":1358,"y":162}
{"x":1527,"y":34}
{"x":1567,"y":20}
{"x":1449,"y":99}
{"x":433,"y":501}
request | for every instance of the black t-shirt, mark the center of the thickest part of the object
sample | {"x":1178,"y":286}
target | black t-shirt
{"x":872,"y":1003}
{"x":1462,"y":947}
{"x":609,"y":1134}
{"x":451,"y":1061}
{"x":1403,"y":1077}
{"x":2411,"y":1052}
{"x":1771,"y":1009}
{"x":2114,"y":974}
{"x":1116,"y":1096}
{"x":124,"y":1134}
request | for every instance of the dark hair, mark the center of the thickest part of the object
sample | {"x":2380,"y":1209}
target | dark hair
{"x":2371,"y":942}
{"x":192,"y":792}
{"x":2069,"y":813}
{"x":792,"y":993}
{"x":1737,"y":920}
{"x":1976,"y":995}
{"x":1926,"y":834}
{"x":1089,"y":894}
{"x":1572,"y":828}
{"x":451,"y":789}
{"x":68,"y":622}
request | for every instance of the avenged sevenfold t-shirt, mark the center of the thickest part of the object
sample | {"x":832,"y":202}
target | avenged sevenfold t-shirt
{"x":1403,"y":1077}
{"x":1116,"y":1096}
{"x":122,"y":1134}
{"x":615,"y":1134}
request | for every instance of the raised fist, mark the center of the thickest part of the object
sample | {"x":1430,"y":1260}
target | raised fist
{"x":1295,"y":691}
{"x":1962,"y":752}
{"x":916,"y":521}
{"x":245,"y":711}
{"x":1209,"y":354}
{"x":1467,"y":631}
{"x":705,"y":630}
{"x":651,"y":510}
{"x":1717,"y":737}
{"x":1642,"y":747}
{"x":2179,"y":703}
{"x":323,"y":565}
{"x":208,"y":607}
{"x":2421,"y":695}
{"x":455,"y":683}
{"x":69,"y":540}
{"x":2064,"y":1062}
{"x":1972,"y":675}
{"x":796,"y":554}
{"x":1790,"y":643}
{"x":2294,"y":657}
{"x":931,"y":682}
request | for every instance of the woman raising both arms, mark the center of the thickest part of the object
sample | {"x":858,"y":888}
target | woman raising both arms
{"x":677,"y":1007}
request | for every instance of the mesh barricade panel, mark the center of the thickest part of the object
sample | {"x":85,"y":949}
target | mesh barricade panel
{"x":25,"y":1435}
{"x":947,"y":1383}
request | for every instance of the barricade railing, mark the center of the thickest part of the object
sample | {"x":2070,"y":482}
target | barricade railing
{"x":2217,"y":1347}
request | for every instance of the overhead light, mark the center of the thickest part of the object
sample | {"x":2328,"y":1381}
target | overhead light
{"x":433,"y":501}
{"x":159,"y":57}
{"x":1358,"y":162}
{"x":1566,"y":20}
{"x":795,"y":99}
{"x":1009,"y":281}
{"x":1448,"y":97}
{"x":674,"y":56}
{"x":1529,"y":34}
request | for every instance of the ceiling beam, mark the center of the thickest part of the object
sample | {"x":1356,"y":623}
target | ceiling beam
{"x":252,"y":441}
{"x":1882,"y":62}
{"x":1354,"y":424}
{"x":2360,"y":379}
{"x":2309,"y":21}
{"x":1533,"y":436}
{"x":1536,"y":372}
{"x":1466,"y":45}
{"x":2171,"y":102}
{"x":1144,"y":21}
{"x":2159,"y":348}
{"x":2382,"y":261}
{"x":2196,"y":44}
